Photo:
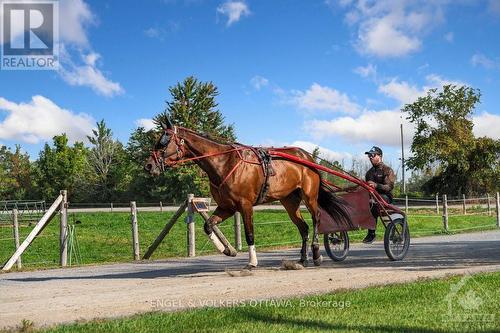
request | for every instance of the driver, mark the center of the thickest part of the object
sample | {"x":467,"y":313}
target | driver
{"x":380,"y":177}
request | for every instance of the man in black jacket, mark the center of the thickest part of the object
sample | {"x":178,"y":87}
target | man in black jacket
{"x":381,"y":178}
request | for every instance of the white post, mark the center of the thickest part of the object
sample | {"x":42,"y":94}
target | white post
{"x":135,"y":230}
{"x":161,"y":206}
{"x":237,"y":230}
{"x":445,"y":213}
{"x":111,"y":207}
{"x":406,"y":204}
{"x":191,"y":250}
{"x":63,"y":230}
{"x":437,"y":204}
{"x":464,"y":206}
{"x":16,"y":235}
{"x":498,"y":210}
{"x":489,"y":206}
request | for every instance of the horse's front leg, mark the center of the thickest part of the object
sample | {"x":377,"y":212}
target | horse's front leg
{"x":247,"y":214}
{"x":217,"y":217}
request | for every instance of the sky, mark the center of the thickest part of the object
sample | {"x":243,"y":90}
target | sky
{"x":325,"y":73}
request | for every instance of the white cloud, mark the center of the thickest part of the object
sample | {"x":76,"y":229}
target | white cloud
{"x":401,"y":91}
{"x":234,"y":10}
{"x":259,"y":82}
{"x":479,"y":59}
{"x":487,"y":124}
{"x":436,"y":81}
{"x":153,"y":33}
{"x":381,"y":38}
{"x":74,"y":19}
{"x":369,"y":71}
{"x":325,"y":153}
{"x":404,"y":92}
{"x":87,"y":74}
{"x":389,"y":28}
{"x":374,"y":127}
{"x":318,"y":98}
{"x":147,"y":123}
{"x":41,"y":119}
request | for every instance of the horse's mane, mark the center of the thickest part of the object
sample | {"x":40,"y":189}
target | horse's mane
{"x":211,"y":137}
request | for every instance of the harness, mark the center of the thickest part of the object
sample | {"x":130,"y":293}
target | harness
{"x":264,"y":159}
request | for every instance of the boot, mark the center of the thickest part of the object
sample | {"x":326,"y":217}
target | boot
{"x":370,"y":237}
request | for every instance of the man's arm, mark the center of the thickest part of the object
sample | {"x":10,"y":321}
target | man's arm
{"x":389,"y":181}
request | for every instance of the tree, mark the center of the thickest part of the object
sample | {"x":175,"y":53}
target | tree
{"x":193,"y":106}
{"x":104,"y":160}
{"x":15,"y":174}
{"x":444,"y":138}
{"x":62,"y":167}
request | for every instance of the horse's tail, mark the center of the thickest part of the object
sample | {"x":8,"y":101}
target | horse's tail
{"x":335,"y":206}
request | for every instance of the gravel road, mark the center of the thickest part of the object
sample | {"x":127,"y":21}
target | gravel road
{"x":64,"y":295}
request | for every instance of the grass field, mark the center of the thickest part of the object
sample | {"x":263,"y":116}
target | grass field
{"x":415,"y":307}
{"x":106,"y":237}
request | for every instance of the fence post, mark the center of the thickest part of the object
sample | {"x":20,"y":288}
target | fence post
{"x":237,"y":230}
{"x":445,"y":213}
{"x":437,"y":204}
{"x":498,"y":210}
{"x":63,"y":230}
{"x":15,"y":226}
{"x":111,"y":207}
{"x":489,"y":206}
{"x":464,"y":206}
{"x":191,"y":250}
{"x":161,"y":206}
{"x":135,"y":230}
{"x":406,"y":204}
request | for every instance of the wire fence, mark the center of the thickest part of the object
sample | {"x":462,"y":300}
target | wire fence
{"x":105,"y":236}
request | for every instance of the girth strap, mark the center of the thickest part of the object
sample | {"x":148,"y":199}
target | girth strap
{"x":265,"y":160}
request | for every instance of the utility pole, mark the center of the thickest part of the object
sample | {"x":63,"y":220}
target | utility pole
{"x":403,"y":160}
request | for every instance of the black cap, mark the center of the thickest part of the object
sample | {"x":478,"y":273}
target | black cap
{"x":374,"y":150}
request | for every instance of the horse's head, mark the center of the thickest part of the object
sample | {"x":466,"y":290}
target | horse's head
{"x":168,"y":150}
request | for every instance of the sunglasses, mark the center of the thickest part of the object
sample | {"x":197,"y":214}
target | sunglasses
{"x":372,"y":155}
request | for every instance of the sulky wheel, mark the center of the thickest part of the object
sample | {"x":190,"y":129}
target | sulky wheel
{"x":397,"y":239}
{"x":337,"y":245}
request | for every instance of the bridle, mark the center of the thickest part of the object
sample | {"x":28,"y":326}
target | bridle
{"x":180,"y":151}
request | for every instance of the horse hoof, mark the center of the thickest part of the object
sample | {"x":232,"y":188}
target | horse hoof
{"x":303,"y":262}
{"x":317,"y":262}
{"x":249,"y":267}
{"x":230,"y":252}
{"x":291,"y":265}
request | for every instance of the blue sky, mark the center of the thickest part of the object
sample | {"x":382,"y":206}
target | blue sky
{"x":319,"y":72}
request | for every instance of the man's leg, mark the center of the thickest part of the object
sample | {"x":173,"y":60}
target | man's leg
{"x":370,"y":236}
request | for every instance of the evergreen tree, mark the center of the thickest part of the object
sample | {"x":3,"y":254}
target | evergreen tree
{"x":193,"y":106}
{"x":105,"y":158}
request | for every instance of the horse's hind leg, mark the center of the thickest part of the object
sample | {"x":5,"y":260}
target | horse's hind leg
{"x":310,"y":195}
{"x":292,"y":206}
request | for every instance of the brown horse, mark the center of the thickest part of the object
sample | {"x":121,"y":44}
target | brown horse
{"x":239,"y":181}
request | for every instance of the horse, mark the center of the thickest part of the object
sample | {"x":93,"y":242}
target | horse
{"x":239,"y":180}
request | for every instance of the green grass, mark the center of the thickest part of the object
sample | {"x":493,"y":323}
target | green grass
{"x":106,"y":237}
{"x":414,"y":307}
